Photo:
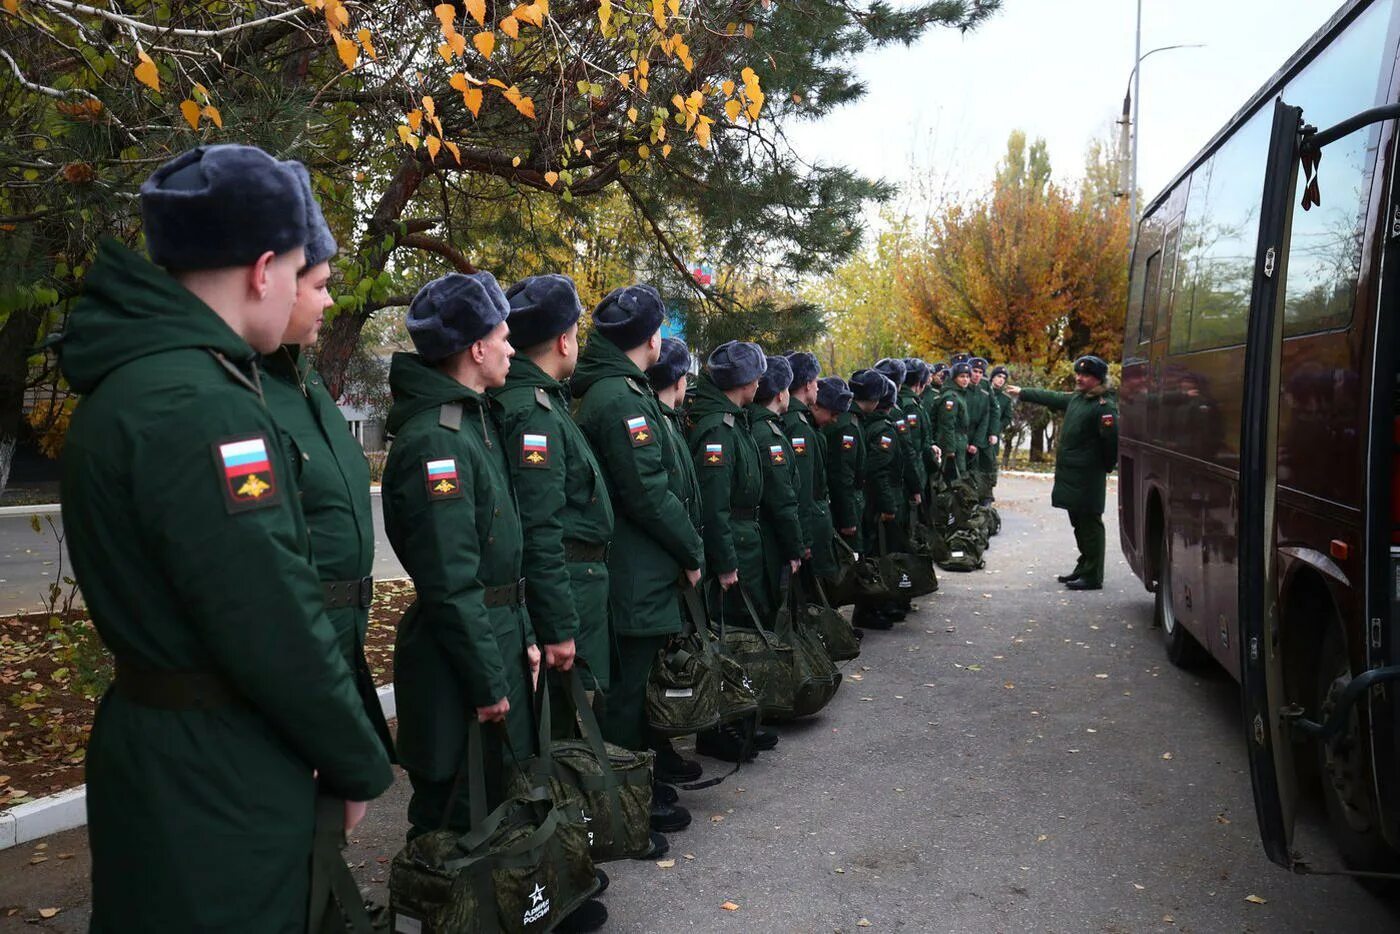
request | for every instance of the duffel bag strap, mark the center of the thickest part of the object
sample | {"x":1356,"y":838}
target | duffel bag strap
{"x":593,"y":735}
{"x":332,"y":885}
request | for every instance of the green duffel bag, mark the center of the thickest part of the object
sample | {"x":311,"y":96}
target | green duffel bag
{"x":520,"y":867}
{"x":766,"y":662}
{"x":907,"y":575}
{"x":738,"y":698}
{"x":837,"y":635}
{"x":860,"y":576}
{"x":993,"y":520}
{"x":605,"y":788}
{"x":964,"y":552}
{"x":814,"y":676}
{"x":683,"y":692}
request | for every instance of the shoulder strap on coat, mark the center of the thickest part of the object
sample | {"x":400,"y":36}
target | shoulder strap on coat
{"x":450,"y":416}
{"x":542,"y":398}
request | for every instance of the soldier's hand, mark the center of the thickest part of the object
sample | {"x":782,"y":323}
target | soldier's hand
{"x":354,"y":813}
{"x":729,"y":578}
{"x":560,"y":655}
{"x":1013,"y":390}
{"x":992,"y":439}
{"x":496,"y":713}
{"x":532,"y":655}
{"x":692,"y":576}
{"x":807,"y":555}
{"x":917,"y":499}
{"x":794,"y":564}
{"x":848,"y":532}
{"x":937,"y":453}
{"x":972,"y":449}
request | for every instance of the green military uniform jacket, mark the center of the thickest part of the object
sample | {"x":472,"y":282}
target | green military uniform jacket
{"x":884,"y":479}
{"x":687,"y":481}
{"x":1086,"y":448}
{"x":731,"y":486}
{"x":954,"y":427}
{"x":654,"y":540}
{"x":845,"y":444}
{"x":189,"y":543}
{"x":813,"y":499}
{"x":979,"y":416}
{"x":916,"y":440}
{"x":781,"y":522}
{"x":566,"y":513}
{"x":331,"y":475}
{"x":1004,"y":410}
{"x":451,"y":518}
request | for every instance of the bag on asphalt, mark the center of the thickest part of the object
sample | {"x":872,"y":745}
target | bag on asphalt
{"x":520,"y":865}
{"x":837,"y":635}
{"x":860,"y":576}
{"x":683,"y":692}
{"x":766,"y":662}
{"x":906,"y":575}
{"x":964,"y":552}
{"x":605,"y":788}
{"x":993,"y":520}
{"x":814,"y":676}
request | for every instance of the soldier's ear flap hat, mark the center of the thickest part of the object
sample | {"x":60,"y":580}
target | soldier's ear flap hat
{"x":320,"y":244}
{"x":833,"y":394}
{"x":775,"y":379}
{"x":453,"y":312}
{"x":891,"y":393}
{"x":217,"y":207}
{"x":672,"y":365}
{"x":867,"y":385}
{"x":915,"y":371}
{"x":962,"y":369}
{"x":1092,"y":366}
{"x":542,"y":308}
{"x":1000,"y":371}
{"x":736,"y":363}
{"x":892,"y":369}
{"x":629,"y":316}
{"x":959,"y":358}
{"x":978,"y":363}
{"x":805,"y":367}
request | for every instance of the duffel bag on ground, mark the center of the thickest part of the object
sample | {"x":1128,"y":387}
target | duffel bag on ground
{"x":907,"y":575}
{"x":522,"y":866}
{"x":766,"y":662}
{"x":814,"y":676}
{"x":835,"y":631}
{"x":683,"y":692}
{"x":964,"y":552}
{"x":860,"y":577}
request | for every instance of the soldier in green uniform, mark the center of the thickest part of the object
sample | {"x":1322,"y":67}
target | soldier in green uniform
{"x":979,"y":417}
{"x":565,"y":510}
{"x":655,"y":548}
{"x":785,"y":543}
{"x":874,"y":394}
{"x":328,"y":464}
{"x":810,"y":455}
{"x":233,"y":702}
{"x":954,"y":424}
{"x":1001,"y":418}
{"x":845,"y":446}
{"x":1085,"y":452}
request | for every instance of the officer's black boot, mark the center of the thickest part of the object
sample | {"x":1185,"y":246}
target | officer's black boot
{"x":669,"y":818}
{"x":671,"y":767}
{"x":724,"y":743}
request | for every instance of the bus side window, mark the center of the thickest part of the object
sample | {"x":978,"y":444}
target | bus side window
{"x":1152,"y":279}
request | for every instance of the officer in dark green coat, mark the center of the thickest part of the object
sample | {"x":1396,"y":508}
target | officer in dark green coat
{"x":979,"y":417}
{"x":465,"y":647}
{"x":954,"y":424}
{"x":874,"y":394}
{"x":669,"y":377}
{"x":190,"y":546}
{"x":565,"y":509}
{"x":655,"y":548}
{"x":1085,"y":451}
{"x":328,"y":464}
{"x":785,"y":544}
{"x":808,"y":441}
{"x":845,"y":446}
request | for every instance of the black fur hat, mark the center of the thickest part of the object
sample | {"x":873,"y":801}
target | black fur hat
{"x":542,"y":308}
{"x":450,"y":314}
{"x":629,"y":316}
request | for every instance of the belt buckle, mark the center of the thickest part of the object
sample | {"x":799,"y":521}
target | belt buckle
{"x":520,"y":592}
{"x":366,"y":592}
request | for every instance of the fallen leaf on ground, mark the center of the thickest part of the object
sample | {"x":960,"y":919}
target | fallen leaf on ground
{"x":857,"y":677}
{"x":1256,"y":900}
{"x":1168,"y":919}
{"x":840,"y":870}
{"x":665,"y":863}
{"x":716,"y":818}
{"x":65,"y":855}
{"x":1008,"y":685}
{"x":47,"y":913}
{"x":863,"y":923}
{"x":1041,"y":839}
{"x":690,"y":856}
{"x":1139,"y":887}
{"x":1166,"y":755}
{"x":37,"y":860}
{"x":1101,"y":676}
{"x":729,"y":906}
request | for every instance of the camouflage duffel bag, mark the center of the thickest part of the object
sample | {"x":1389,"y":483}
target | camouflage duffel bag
{"x":837,"y":635}
{"x":860,"y":576}
{"x":814,"y":676}
{"x":964,"y":552}
{"x":683,"y":691}
{"x":767,"y":663}
{"x":606,"y":789}
{"x":522,"y":867}
{"x":907,"y":575}
{"x":738,"y":698}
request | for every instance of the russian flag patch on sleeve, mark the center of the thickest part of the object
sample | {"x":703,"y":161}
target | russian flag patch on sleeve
{"x":639,"y":431}
{"x":246,"y":468}
{"x":714,"y":455}
{"x":441,"y":476}
{"x":534,"y":450}
{"x":799,"y":445}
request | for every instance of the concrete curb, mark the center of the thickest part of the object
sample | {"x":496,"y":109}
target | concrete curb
{"x":66,"y":810}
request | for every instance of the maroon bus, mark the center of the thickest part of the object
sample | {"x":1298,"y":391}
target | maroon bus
{"x":1259,"y":498}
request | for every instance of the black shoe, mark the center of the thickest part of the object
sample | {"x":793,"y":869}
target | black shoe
{"x":673,"y":769}
{"x":603,"y":882}
{"x":1066,"y":578}
{"x":724,"y":743}
{"x":661,"y":793}
{"x":669,"y":818}
{"x":894,"y":614}
{"x":866,"y":618}
{"x":590,"y":916}
{"x":660,"y":846}
{"x":1081,"y":584}
{"x":763,"y":740}
{"x":859,"y":634}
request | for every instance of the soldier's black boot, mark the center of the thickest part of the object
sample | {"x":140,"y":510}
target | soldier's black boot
{"x":724,"y":743}
{"x":671,"y":767}
{"x":590,"y":916}
{"x":866,"y":616}
{"x":669,"y":818}
{"x":664,"y":794}
{"x":660,"y":846}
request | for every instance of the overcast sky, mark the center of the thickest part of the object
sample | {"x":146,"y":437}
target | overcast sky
{"x":1058,"y":69}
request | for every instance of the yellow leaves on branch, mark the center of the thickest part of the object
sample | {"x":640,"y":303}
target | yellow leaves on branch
{"x":604,"y":16}
{"x":146,"y":71}
{"x":551,"y":178}
{"x":523,"y":104}
{"x":365,"y":42}
{"x":11,"y":6}
{"x":348,"y":51}
{"x":485,"y":43}
{"x":476,"y":9}
{"x":510,"y":26}
{"x":192,"y":111}
{"x":471,"y":96}
{"x":658,"y":13}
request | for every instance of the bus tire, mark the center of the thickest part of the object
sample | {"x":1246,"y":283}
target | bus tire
{"x":1348,"y":784}
{"x":1182,"y":648}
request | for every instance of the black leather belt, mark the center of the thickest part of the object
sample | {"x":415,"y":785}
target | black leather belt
{"x":506,"y":594}
{"x":743,"y":515}
{"x":342,"y":594}
{"x":172,"y":690}
{"x":577,"y":551}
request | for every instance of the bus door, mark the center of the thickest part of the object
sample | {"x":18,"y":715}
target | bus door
{"x":1274,"y":729}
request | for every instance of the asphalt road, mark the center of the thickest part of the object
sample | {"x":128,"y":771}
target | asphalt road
{"x":30,"y":561}
{"x":1002,"y":765}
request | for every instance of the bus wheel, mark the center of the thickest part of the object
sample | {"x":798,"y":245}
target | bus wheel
{"x":1182,"y":648}
{"x":1348,"y":787}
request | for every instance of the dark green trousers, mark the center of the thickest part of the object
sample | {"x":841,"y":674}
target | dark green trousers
{"x":1089,"y":536}
{"x":447,"y":804}
{"x":624,"y":708}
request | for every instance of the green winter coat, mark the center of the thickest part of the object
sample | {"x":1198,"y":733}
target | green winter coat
{"x":563,"y":499}
{"x":731,"y":482}
{"x":813,"y":498}
{"x":954,"y":427}
{"x":845,"y":445}
{"x":1005,"y":405}
{"x":451,"y":518}
{"x":687,"y":482}
{"x":190,"y":561}
{"x":780,"y":517}
{"x":331,"y":475}
{"x":914,"y":441}
{"x":654,"y":541}
{"x":979,"y":415}
{"x":884,"y":480}
{"x":1086,"y":446}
